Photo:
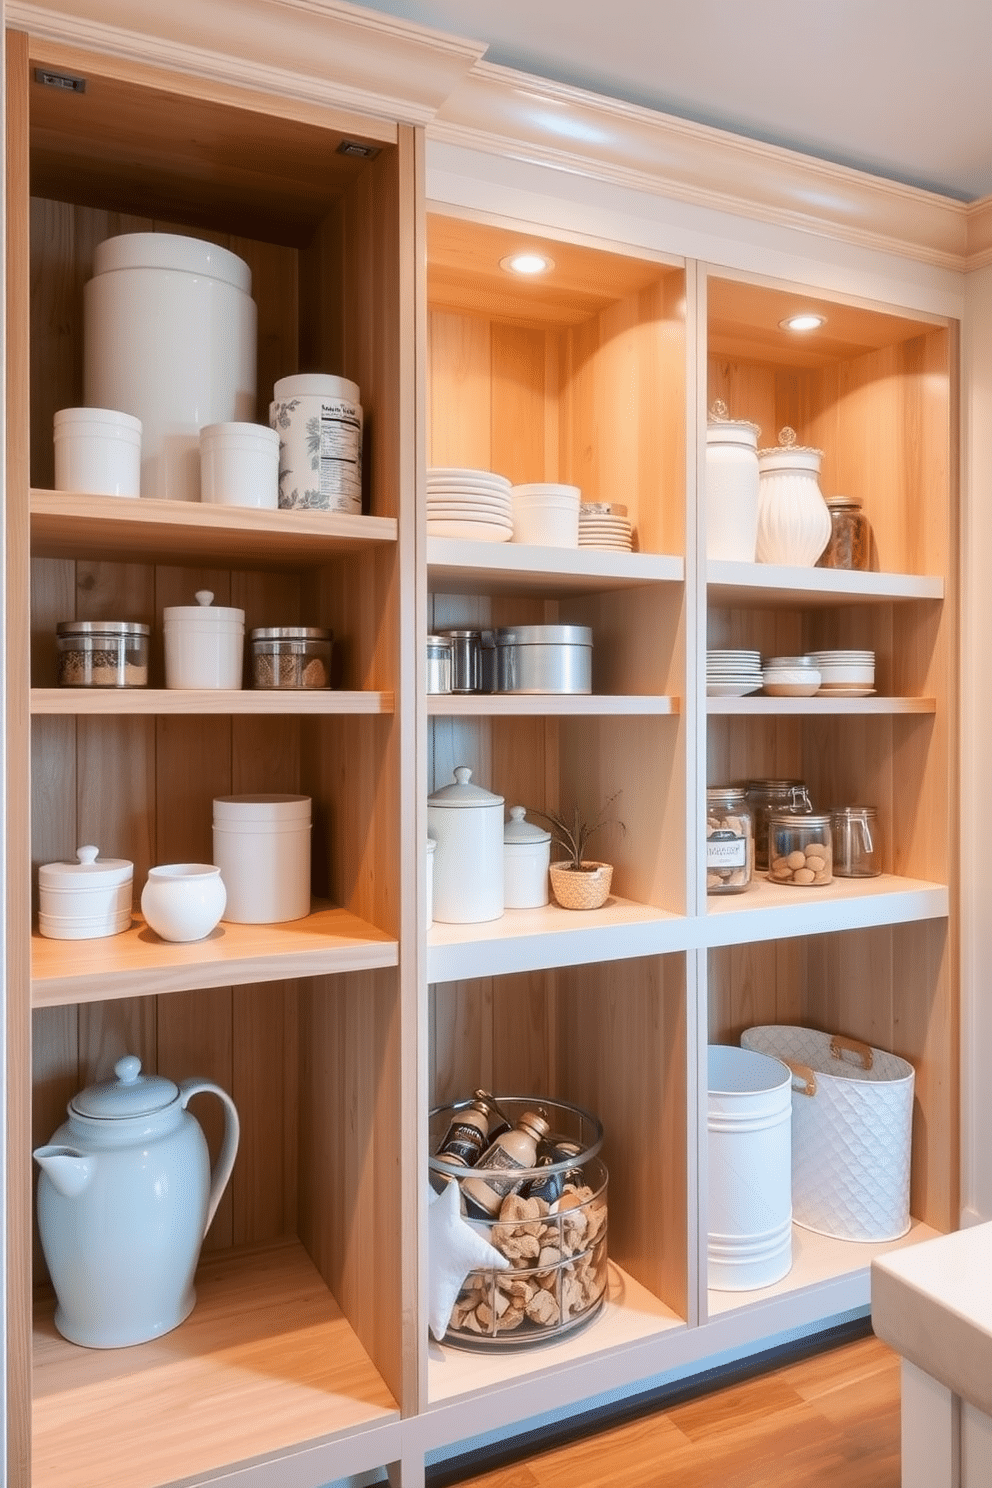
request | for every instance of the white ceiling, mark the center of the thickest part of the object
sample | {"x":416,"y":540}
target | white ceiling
{"x":900,"y":89}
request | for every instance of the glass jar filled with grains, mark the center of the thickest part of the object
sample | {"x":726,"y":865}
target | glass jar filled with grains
{"x":291,"y":656}
{"x":101,"y":653}
{"x":850,"y":535}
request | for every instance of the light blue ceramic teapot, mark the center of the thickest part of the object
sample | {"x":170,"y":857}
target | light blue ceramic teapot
{"x":125,"y":1197}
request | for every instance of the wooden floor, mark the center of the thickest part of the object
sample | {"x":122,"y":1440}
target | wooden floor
{"x":829,"y":1421}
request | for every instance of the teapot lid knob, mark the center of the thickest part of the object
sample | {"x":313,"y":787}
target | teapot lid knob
{"x":204,"y":596}
{"x":87,"y":855}
{"x":128,"y":1069}
{"x":463,"y":774}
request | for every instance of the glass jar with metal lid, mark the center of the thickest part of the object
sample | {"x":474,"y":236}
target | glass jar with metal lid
{"x":800,"y":849}
{"x":101,"y":653}
{"x":438,"y":663}
{"x":850,"y":535}
{"x":729,"y":840}
{"x":291,"y":657}
{"x":764,"y":796}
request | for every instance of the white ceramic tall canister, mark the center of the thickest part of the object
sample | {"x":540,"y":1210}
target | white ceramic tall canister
{"x":239,"y":465}
{"x":169,"y":335}
{"x":262,"y":848}
{"x":731,"y":487}
{"x":204,"y":644}
{"x":85,"y":900}
{"x":526,"y":860}
{"x":794,"y":523}
{"x":319,"y":421}
{"x":466,"y":821}
{"x":97,"y":451}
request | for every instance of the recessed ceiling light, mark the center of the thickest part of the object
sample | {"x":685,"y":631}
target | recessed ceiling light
{"x":805,"y":322}
{"x":527,"y":263}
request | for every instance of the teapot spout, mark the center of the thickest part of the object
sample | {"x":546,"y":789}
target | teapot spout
{"x":69,"y":1170}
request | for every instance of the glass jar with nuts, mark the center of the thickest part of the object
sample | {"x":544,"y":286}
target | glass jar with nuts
{"x":800,"y":849}
{"x":729,"y":840}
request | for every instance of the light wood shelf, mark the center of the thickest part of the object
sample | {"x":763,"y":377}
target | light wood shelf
{"x":65,"y":525}
{"x":137,"y":963}
{"x":767,"y":911}
{"x":455,"y":567}
{"x":551,"y":705}
{"x":68,"y":702}
{"x":818,"y":707}
{"x":772,"y":585}
{"x":265,"y":1365}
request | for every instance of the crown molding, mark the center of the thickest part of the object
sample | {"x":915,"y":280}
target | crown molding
{"x":980,"y":233}
{"x":318,"y":51}
{"x":499,"y":110}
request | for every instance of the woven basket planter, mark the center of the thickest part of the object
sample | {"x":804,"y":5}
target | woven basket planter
{"x":585,"y":889}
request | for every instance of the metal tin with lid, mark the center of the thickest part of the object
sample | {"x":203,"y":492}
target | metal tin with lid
{"x":466,"y":821}
{"x":102,"y":653}
{"x":543,"y":659}
{"x":87,"y":899}
{"x":291,"y":657}
{"x":526,"y":860}
{"x":438,"y":664}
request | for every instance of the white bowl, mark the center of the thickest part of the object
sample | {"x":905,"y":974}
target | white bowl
{"x":183,"y":901}
{"x":847,"y":675}
{"x":791,"y":681}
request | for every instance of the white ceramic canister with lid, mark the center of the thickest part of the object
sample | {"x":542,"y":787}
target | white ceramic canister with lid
{"x":466,"y":822}
{"x":239,"y":465}
{"x":526,"y":860}
{"x":732,"y":483}
{"x":262,"y":848}
{"x":169,"y":336}
{"x":97,"y":451}
{"x":85,"y":900}
{"x":793,"y":519}
{"x":204,"y":644}
{"x":319,"y":421}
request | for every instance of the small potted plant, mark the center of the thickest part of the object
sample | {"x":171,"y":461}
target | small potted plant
{"x":579,"y":882}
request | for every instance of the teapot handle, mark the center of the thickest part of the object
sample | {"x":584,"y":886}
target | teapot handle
{"x":229,"y":1147}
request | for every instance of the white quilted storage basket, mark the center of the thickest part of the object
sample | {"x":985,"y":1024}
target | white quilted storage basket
{"x":852,"y":1111}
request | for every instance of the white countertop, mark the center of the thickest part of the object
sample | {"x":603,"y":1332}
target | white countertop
{"x":932,"y":1303}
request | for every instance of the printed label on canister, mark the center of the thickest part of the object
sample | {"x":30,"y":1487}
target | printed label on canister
{"x":340,"y":449}
{"x":320,"y":453}
{"x":726,"y":850}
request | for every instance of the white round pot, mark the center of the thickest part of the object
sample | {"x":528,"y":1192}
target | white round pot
{"x":547,"y":515}
{"x":97,"y":451}
{"x":466,"y":822}
{"x":204,"y":644}
{"x":239,"y":465}
{"x":262,"y":847}
{"x":731,"y":487}
{"x":793,"y":519}
{"x":526,"y":859}
{"x":183,"y":901}
{"x":87,"y":899}
{"x":318,"y":418}
{"x":170,"y":337}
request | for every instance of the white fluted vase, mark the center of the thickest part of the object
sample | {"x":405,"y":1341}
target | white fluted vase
{"x":793,"y":518}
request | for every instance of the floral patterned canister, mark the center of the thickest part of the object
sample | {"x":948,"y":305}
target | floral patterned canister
{"x":319,"y":421}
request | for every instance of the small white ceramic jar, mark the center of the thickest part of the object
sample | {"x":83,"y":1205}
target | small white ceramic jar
{"x":794,"y":523}
{"x":85,"y":900}
{"x":204,"y":644}
{"x":466,"y":821}
{"x":239,"y":465}
{"x":183,"y":901}
{"x":731,"y":487}
{"x":97,"y":451}
{"x":262,"y":847}
{"x":318,"y":418}
{"x":526,"y":860}
{"x":546,"y":514}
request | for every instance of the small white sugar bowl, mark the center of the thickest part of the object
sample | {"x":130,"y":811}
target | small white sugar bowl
{"x":526,"y":859}
{"x":87,"y":899}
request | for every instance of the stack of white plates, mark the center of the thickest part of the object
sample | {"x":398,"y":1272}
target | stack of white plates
{"x":846,"y":673}
{"x":733,"y":673}
{"x":604,"y":524}
{"x":473,"y":505}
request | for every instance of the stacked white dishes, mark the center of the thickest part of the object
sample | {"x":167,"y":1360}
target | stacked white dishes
{"x":732,"y":673}
{"x":474,"y":505}
{"x":547,"y":514}
{"x":791,"y":676}
{"x":846,"y":673}
{"x":604,"y":524}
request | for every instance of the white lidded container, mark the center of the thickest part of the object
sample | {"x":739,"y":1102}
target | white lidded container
{"x":97,"y":451}
{"x":794,"y":523}
{"x":239,"y":465}
{"x":87,"y":899}
{"x":732,"y":482}
{"x":526,"y":860}
{"x":170,"y":332}
{"x":546,"y":514}
{"x":318,"y":418}
{"x":466,"y":822}
{"x":749,"y":1125}
{"x":262,"y":848}
{"x":204,"y":644}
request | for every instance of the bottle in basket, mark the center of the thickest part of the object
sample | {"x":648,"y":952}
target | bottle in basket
{"x":498,"y":1123}
{"x":468,"y":1134}
{"x":550,"y":1186}
{"x":512,"y":1152}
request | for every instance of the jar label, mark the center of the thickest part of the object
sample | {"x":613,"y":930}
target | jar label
{"x":463,"y":1142}
{"x":726,"y":850}
{"x":340,"y":450}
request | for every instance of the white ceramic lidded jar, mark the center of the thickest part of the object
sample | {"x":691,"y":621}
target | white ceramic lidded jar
{"x":125,"y":1197}
{"x":169,"y":336}
{"x":466,"y":822}
{"x":731,"y":487}
{"x":262,"y":848}
{"x":204,"y":644}
{"x":793,"y":519}
{"x":526,"y":860}
{"x":85,"y":900}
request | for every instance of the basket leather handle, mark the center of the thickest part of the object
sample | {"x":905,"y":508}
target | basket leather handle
{"x":840,"y":1042}
{"x":804,"y":1074}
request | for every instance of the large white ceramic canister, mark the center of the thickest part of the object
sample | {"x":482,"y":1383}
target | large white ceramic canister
{"x":87,"y":899}
{"x":526,"y":860}
{"x":793,"y":519}
{"x":97,"y":451}
{"x":466,"y":822}
{"x":204,"y":644}
{"x":169,"y":335}
{"x":319,"y":421}
{"x":731,"y":487}
{"x":262,"y":848}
